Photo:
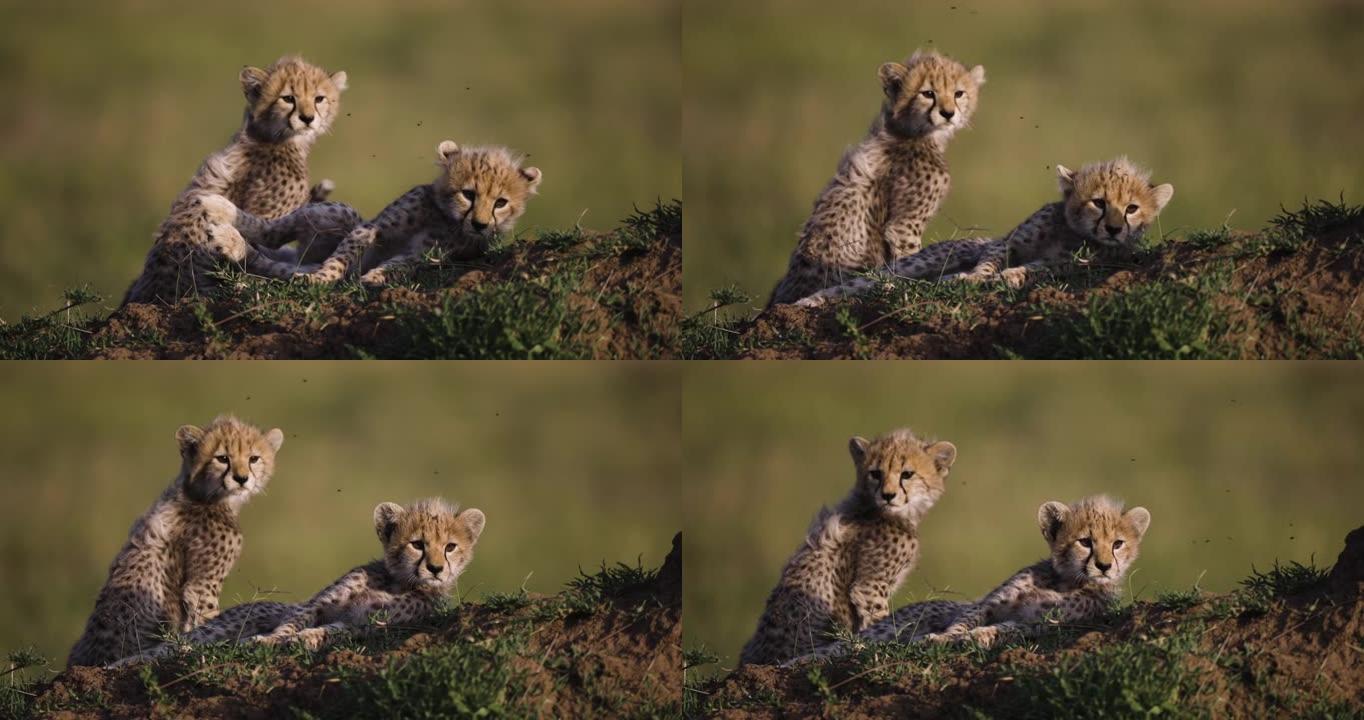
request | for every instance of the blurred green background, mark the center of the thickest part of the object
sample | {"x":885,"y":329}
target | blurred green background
{"x":1242,"y":105}
{"x":111,"y":106}
{"x":574,"y":464}
{"x":1240,"y":464}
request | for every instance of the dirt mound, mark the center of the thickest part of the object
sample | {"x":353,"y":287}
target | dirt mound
{"x":1289,"y":291}
{"x":559,"y":295}
{"x":1282,"y":645}
{"x":609,"y":645}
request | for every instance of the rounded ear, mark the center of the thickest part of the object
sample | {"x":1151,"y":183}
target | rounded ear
{"x":1050,"y":517}
{"x":978,"y":74}
{"x":893,"y":76}
{"x":1065,"y":178}
{"x":857,"y":447}
{"x":1140,"y":518}
{"x":446,"y":150}
{"x":275,"y":437}
{"x":474,"y":519}
{"x":386,"y":516}
{"x":532,"y":175}
{"x":943,"y":453}
{"x":253,"y":80}
{"x":188,"y":437}
{"x":339,"y":80}
{"x":1163,"y":193}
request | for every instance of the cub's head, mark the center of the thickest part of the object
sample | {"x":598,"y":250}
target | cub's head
{"x":929,"y":94}
{"x":899,"y":474}
{"x":428,"y":543}
{"x":228,"y":462}
{"x":290,"y":99}
{"x":1111,"y":203}
{"x":1093,"y":541}
{"x":483,"y":189}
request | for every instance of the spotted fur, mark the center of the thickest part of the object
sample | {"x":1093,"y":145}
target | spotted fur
{"x":263,"y":172}
{"x":855,"y":556}
{"x":889,"y":186}
{"x":1104,"y":206}
{"x":427,"y":546}
{"x":168,"y":575}
{"x":1093,"y":545}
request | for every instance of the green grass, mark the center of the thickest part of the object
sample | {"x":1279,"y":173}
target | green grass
{"x":123,"y":101}
{"x":761,"y":142}
{"x":1284,"y":580}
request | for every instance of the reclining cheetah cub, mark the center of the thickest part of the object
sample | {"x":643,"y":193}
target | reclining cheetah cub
{"x":890,"y":185}
{"x":427,"y":545}
{"x":857,"y":555}
{"x":264,"y":171}
{"x":1106,"y":206}
{"x":1093,"y":544}
{"x":168,"y":575}
{"x":479,"y":193}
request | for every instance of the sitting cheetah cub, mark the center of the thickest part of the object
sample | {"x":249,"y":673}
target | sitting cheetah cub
{"x":857,"y":555}
{"x":479,"y":193}
{"x":1093,"y":545}
{"x":890,"y":185}
{"x":264,"y":171}
{"x":427,"y":545}
{"x":1106,"y":206}
{"x":168,"y":575}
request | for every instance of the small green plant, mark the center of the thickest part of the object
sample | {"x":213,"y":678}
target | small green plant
{"x":1284,"y":580}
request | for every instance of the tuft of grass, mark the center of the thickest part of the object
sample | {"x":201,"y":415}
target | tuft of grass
{"x":1316,"y":219}
{"x":1179,"y":599}
{"x":62,"y":333}
{"x":1284,"y":580}
{"x":586,"y":593}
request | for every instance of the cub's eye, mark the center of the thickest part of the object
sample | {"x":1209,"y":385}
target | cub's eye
{"x":319,"y":98}
{"x":468,"y":195}
{"x":1099,"y":203}
{"x":906,"y":474}
{"x":1131,"y":209}
{"x":928,"y":94}
{"x":222,"y":459}
{"x":418,"y":545}
{"x":1117,"y":544}
{"x":501,"y":203}
{"x":450,"y":548}
{"x":874,"y":475}
{"x":287,"y":98}
{"x":959,"y":93}
{"x":255,"y":459}
{"x":1085,"y":542}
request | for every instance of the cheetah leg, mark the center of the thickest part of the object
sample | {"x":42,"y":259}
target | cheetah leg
{"x":401,"y":265}
{"x":347,"y":255}
{"x":856,"y":286}
{"x":904,"y":237}
{"x":321,"y":191}
{"x":987,"y":266}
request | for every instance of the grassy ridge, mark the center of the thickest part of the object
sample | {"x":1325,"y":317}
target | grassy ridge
{"x":120,"y":101}
{"x":777,"y":90}
{"x":1239,"y":463}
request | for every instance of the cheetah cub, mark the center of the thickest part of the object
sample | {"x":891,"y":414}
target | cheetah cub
{"x":890,"y":185}
{"x":857,"y":555}
{"x":264,"y":171}
{"x":168,"y":575}
{"x":427,"y":545}
{"x":1093,"y":545}
{"x":479,"y":193}
{"x":1105,"y":206}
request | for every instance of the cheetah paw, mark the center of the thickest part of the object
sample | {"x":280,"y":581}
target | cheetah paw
{"x":219,"y":209}
{"x":374,"y":278}
{"x":1014,"y":277}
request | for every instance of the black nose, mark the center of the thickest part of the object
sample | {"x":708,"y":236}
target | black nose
{"x":435,"y":569}
{"x":887,"y":496}
{"x":1113,"y":229}
{"x":1103,"y":567}
{"x":479,"y":225}
{"x":946,"y":114}
{"x":307,"y":119}
{"x":241,"y":479}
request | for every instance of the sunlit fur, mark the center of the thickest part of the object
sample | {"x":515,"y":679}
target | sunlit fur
{"x":1093,"y":541}
{"x":929,"y":94}
{"x":1111,"y":203}
{"x":228,"y":461}
{"x":291,"y":98}
{"x":899,"y":474}
{"x":483,"y":189}
{"x":428,"y":543}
